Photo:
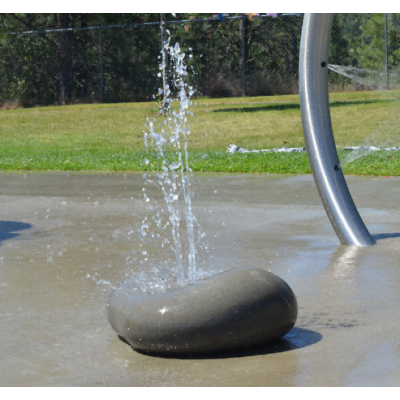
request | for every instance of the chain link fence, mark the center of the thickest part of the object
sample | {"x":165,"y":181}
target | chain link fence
{"x":365,"y":52}
{"x":233,"y":57}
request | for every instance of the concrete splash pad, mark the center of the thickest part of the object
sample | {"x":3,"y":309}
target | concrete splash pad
{"x":63,"y":236}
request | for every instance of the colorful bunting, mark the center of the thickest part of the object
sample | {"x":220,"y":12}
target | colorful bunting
{"x":251,"y":15}
{"x":221,"y":15}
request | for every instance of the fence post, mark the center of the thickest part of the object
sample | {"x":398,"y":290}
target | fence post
{"x":387,"y":56}
{"x":164,"y":62}
{"x":243,"y":55}
{"x":101,"y":66}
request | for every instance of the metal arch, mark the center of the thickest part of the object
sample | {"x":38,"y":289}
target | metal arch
{"x":317,"y":127}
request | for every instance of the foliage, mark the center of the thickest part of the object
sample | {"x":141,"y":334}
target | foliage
{"x":358,"y":40}
{"x":121,"y":64}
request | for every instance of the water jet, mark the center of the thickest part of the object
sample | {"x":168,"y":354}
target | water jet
{"x":233,"y":310}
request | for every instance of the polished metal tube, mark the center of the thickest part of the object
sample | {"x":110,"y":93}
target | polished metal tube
{"x":317,"y":127}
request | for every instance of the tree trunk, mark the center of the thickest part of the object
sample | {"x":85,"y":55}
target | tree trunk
{"x":245,"y":39}
{"x":84,"y":20}
{"x":65,"y":59}
{"x":165,"y":106}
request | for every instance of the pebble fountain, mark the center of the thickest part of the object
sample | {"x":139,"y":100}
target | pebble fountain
{"x":244,"y":307}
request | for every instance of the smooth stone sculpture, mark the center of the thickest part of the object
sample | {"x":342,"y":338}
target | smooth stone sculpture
{"x":236,"y":309}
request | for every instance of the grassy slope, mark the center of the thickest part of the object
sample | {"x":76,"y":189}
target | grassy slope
{"x":109,"y":136}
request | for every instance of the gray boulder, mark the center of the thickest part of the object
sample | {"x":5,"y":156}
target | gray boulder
{"x":237,"y":309}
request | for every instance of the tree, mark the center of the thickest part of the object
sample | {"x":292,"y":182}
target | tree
{"x":65,"y":46}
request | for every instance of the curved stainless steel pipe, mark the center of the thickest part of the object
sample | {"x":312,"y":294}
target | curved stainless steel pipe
{"x":317,"y":127}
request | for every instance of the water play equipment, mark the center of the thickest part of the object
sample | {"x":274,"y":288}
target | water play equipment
{"x":317,"y":127}
{"x":232,"y":310}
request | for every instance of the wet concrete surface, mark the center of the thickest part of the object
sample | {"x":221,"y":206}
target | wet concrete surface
{"x":66,"y":239}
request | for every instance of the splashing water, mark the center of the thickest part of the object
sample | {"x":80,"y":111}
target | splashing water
{"x":174,"y":179}
{"x":374,"y":141}
{"x":377,"y":80}
{"x":362,"y":151}
{"x":184,"y":258}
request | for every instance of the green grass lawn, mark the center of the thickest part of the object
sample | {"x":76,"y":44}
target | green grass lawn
{"x":110,"y":136}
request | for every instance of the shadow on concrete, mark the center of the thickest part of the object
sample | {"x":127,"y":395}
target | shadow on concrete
{"x":294,"y":106}
{"x":8,"y":229}
{"x":297,"y":338}
{"x":381,"y":236}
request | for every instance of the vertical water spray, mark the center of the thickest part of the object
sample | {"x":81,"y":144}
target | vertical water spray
{"x":174,"y":178}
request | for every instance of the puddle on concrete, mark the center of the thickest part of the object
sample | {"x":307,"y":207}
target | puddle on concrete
{"x":65,"y":240}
